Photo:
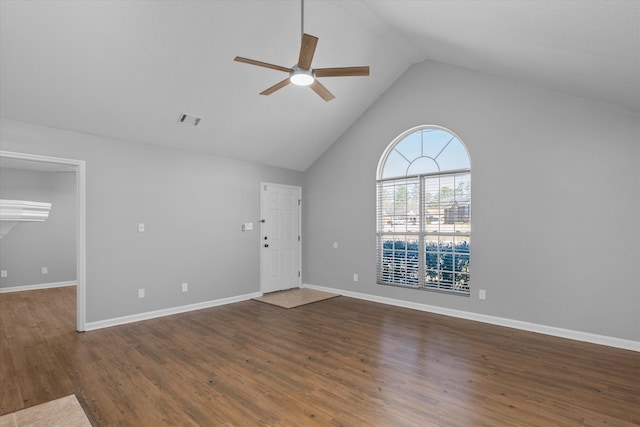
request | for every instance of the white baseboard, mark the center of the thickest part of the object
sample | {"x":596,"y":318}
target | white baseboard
{"x":92,"y":326}
{"x":501,"y":321}
{"x":36,"y":287}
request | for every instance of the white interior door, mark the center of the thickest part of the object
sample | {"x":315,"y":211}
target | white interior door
{"x":280,"y":237}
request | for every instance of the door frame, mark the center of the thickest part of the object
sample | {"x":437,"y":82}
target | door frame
{"x":81,"y":247}
{"x":262,"y":253}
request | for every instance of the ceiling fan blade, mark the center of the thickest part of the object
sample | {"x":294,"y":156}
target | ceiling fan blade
{"x":261,"y":64}
{"x":321,"y":90}
{"x":342,"y":72}
{"x":276,"y":87}
{"x":307,"y":49}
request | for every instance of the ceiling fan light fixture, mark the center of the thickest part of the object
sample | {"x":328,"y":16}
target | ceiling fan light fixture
{"x":301,"y":77}
{"x":302,"y":74}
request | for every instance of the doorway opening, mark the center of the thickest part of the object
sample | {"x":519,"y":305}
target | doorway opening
{"x":38,"y":162}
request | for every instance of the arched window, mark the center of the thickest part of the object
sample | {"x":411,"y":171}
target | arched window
{"x":424,"y":211}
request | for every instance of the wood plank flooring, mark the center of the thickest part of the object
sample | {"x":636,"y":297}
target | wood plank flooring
{"x":339,"y":362}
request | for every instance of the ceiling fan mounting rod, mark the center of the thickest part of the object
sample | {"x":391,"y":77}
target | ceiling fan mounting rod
{"x":301,"y":18}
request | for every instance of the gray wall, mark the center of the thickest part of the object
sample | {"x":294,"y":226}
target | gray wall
{"x":556,"y":200}
{"x":193,"y":206}
{"x":52,"y":243}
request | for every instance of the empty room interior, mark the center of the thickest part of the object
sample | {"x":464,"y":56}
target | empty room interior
{"x":441,"y":229}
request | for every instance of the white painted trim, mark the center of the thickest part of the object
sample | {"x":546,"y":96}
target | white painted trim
{"x":91,"y":326}
{"x":501,"y":321}
{"x":36,"y":287}
{"x":81,"y":247}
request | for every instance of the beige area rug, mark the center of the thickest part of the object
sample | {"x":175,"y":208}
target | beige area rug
{"x":63,"y":412}
{"x":295,"y":297}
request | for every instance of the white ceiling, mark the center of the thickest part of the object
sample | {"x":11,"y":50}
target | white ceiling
{"x":128,"y":69}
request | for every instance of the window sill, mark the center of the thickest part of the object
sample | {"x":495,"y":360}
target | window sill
{"x":424,"y":288}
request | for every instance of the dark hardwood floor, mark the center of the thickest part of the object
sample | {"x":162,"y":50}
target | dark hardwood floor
{"x":339,"y":362}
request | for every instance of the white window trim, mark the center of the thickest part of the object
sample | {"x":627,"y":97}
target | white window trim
{"x":422,"y":233}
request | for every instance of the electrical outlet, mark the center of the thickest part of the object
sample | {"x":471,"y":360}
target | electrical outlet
{"x":185,"y":287}
{"x":355,"y":277}
{"x":3,"y":273}
{"x":141,"y":293}
{"x":482,"y":294}
{"x":44,"y":270}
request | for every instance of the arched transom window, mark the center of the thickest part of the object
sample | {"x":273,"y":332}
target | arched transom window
{"x":424,"y":212}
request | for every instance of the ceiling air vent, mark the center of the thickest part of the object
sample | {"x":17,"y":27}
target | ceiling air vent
{"x":189,"y":119}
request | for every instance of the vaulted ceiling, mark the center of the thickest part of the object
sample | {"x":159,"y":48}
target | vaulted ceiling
{"x":128,"y":69}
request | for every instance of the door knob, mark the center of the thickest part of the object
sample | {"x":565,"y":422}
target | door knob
{"x":266,"y":245}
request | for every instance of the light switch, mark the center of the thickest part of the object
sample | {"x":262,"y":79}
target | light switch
{"x":141,"y":227}
{"x":247,"y":226}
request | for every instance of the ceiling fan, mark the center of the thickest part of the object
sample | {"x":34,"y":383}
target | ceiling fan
{"x":302,"y":74}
